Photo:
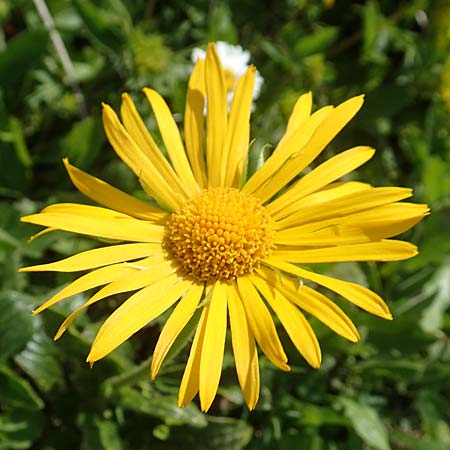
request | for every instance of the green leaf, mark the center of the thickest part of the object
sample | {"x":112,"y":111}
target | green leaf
{"x":16,"y":392}
{"x":83,"y":142}
{"x":15,"y":323}
{"x":164,"y":408}
{"x":40,"y":361}
{"x":19,"y":429}
{"x":316,"y":42}
{"x":439,"y":286}
{"x":366,"y":423}
{"x":21,"y":53}
{"x":99,"y":434}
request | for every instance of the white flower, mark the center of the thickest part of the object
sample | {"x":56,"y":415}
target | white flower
{"x":235,"y":61}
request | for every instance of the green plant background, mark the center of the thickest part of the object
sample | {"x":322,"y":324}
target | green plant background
{"x":391,"y":390}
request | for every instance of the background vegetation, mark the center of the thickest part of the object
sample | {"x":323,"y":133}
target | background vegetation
{"x":391,"y":390}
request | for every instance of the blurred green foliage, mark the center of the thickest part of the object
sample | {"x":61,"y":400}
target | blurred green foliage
{"x":391,"y":390}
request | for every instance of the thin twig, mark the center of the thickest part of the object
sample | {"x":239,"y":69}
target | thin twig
{"x":61,"y":50}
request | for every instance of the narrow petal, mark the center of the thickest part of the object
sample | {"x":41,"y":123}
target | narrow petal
{"x":385,"y":250}
{"x":152,"y":272}
{"x":213,"y":346}
{"x":172,"y":140}
{"x":312,"y":302}
{"x":136,"y":312}
{"x":244,"y":348}
{"x":216,"y":118}
{"x":91,"y":280}
{"x":191,"y":376}
{"x":137,"y":129}
{"x":294,"y":322}
{"x":91,"y":259}
{"x":194,"y":120}
{"x":300,"y":113}
{"x":286,"y":150}
{"x":109,"y":196}
{"x":261,"y":324}
{"x":332,"y":235}
{"x":133,"y":156}
{"x":175,"y":323}
{"x":325,"y":173}
{"x":358,"y":201}
{"x":359,"y":295}
{"x":235,"y":149}
{"x":113,"y":227}
{"x":322,"y":136}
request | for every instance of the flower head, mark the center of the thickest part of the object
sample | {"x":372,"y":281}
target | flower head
{"x":224,"y":244}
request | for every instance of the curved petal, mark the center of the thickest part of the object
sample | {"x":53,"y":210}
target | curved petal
{"x":312,"y":302}
{"x":98,"y":257}
{"x":385,"y":250}
{"x":261,"y":323}
{"x":300,"y":113}
{"x":122,"y":228}
{"x":91,"y":280}
{"x":361,"y":200}
{"x":285,"y":151}
{"x":216,"y":117}
{"x":235,"y":148}
{"x":325,"y":173}
{"x":175,"y":323}
{"x":137,"y":129}
{"x":194,"y":120}
{"x":133,"y":156}
{"x":139,"y":278}
{"x":322,"y":136}
{"x":136,"y":312}
{"x":294,"y":322}
{"x":191,"y":376}
{"x":213,"y":346}
{"x":172,"y":140}
{"x":111,"y":197}
{"x":244,"y":348}
{"x":359,"y":295}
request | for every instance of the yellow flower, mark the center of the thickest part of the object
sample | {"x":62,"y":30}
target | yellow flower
{"x":228,"y":246}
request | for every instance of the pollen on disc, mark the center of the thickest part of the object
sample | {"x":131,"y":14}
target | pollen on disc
{"x":221,"y":234}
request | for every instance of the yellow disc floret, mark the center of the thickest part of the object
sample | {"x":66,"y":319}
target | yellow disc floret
{"x":221,"y":234}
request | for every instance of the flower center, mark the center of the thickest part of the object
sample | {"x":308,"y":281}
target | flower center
{"x":221,"y":234}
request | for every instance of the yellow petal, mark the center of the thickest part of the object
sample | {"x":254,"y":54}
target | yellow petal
{"x":109,"y":196}
{"x":286,"y":150}
{"x":300,"y":113}
{"x":294,"y":322}
{"x":135,"y":279}
{"x":261,"y":323}
{"x":140,"y":134}
{"x":213,"y":346}
{"x":133,"y":156}
{"x":194,"y":121}
{"x":244,"y":348}
{"x":313,"y":303}
{"x":358,"y":201}
{"x":322,"y":136}
{"x":191,"y":376}
{"x":91,"y":280}
{"x":385,"y":250}
{"x":98,"y":257}
{"x":325,"y":173}
{"x":107,"y":226}
{"x":176,"y":322}
{"x":359,"y":295}
{"x":235,"y":149}
{"x":136,"y":312}
{"x":172,"y":140}
{"x":216,"y":117}
{"x":40,"y":233}
{"x":322,"y":237}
